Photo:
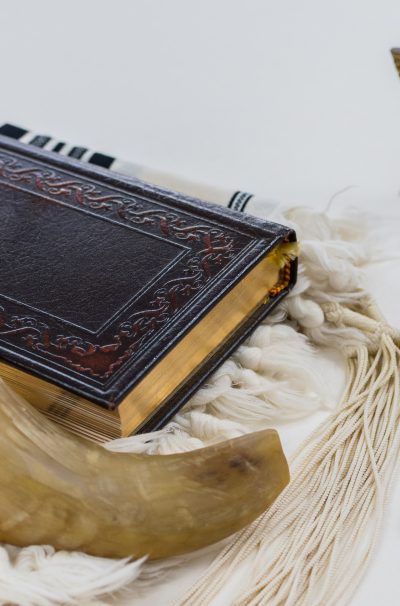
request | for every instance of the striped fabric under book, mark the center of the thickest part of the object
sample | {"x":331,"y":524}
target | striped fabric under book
{"x":237,"y":200}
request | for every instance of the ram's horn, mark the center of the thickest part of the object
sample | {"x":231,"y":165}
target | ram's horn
{"x":58,"y":489}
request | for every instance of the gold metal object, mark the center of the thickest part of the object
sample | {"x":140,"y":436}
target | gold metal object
{"x":396,"y":58}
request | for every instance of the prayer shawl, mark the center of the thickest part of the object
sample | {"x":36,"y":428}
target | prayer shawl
{"x":314,"y":544}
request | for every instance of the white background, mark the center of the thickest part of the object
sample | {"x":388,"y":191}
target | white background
{"x":295,"y":99}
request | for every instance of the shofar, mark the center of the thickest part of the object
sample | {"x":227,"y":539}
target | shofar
{"x":61,"y":490}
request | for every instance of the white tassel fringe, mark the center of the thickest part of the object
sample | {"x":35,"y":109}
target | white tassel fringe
{"x":39,"y":576}
{"x":314,"y":544}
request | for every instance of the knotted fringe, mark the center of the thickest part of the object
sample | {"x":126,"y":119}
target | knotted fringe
{"x":38,"y":575}
{"x":313,"y":546}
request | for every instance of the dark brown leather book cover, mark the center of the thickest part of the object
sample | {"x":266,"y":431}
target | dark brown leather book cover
{"x":101,"y":275}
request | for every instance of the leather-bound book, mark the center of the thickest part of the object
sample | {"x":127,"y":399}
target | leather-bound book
{"x":118,"y":298}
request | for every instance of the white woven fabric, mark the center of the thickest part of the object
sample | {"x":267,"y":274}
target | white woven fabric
{"x":276,"y":379}
{"x":272,"y":378}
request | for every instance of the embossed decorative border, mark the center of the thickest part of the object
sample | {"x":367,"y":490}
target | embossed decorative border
{"x":212,"y":249}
